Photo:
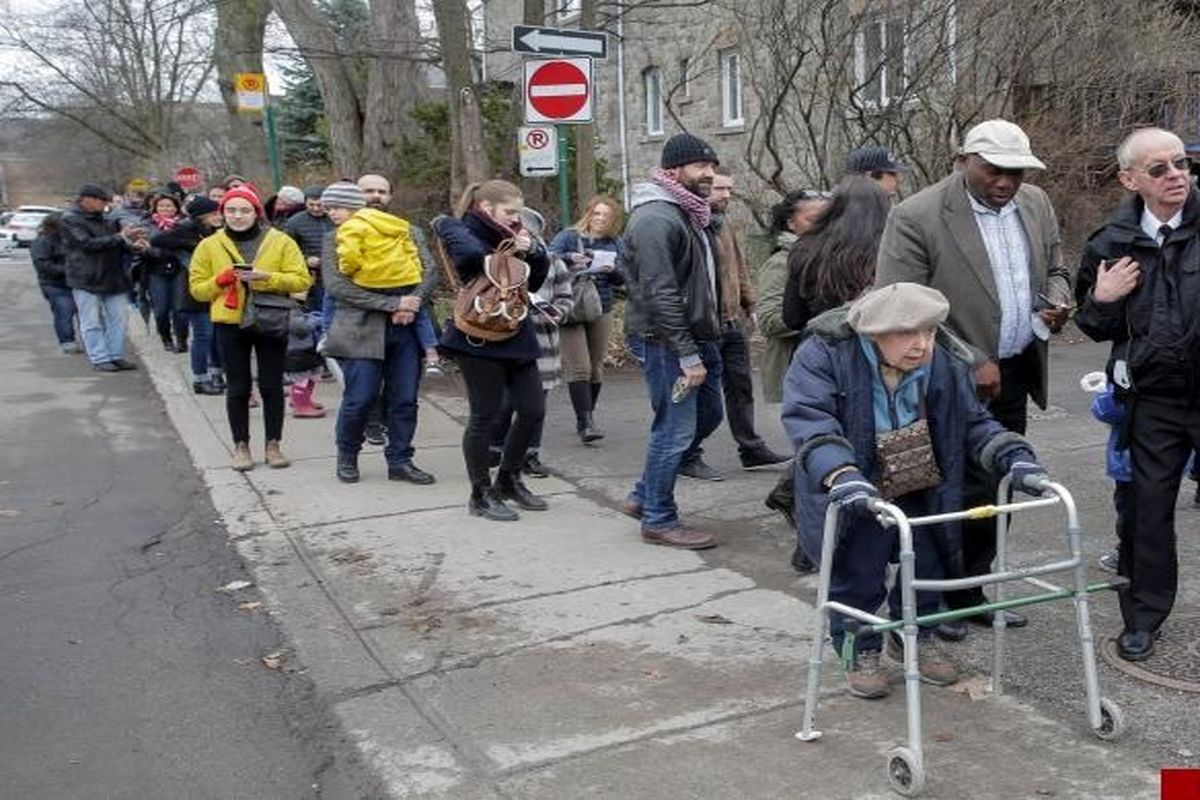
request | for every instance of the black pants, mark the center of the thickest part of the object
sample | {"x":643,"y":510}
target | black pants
{"x":504,"y":422}
{"x":488,"y":381}
{"x":738,"y":387}
{"x":1010,"y":408}
{"x":1162,"y":436}
{"x":236,"y":345}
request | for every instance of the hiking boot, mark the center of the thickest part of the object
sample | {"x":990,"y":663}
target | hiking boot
{"x":698,"y":469}
{"x":347,"y":468}
{"x":868,"y":679}
{"x":678,"y":536}
{"x":487,"y":504}
{"x":934,"y":668}
{"x":274,"y":456}
{"x":242,"y":460}
{"x":510,"y":487}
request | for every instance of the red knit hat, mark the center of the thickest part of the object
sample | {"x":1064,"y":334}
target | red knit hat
{"x":246,"y":194}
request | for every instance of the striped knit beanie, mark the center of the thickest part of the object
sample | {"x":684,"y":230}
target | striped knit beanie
{"x":343,"y":194}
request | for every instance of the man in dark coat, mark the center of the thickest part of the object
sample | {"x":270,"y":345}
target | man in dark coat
{"x":1139,"y":288}
{"x":94,"y":247}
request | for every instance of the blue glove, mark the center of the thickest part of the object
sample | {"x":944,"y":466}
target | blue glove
{"x":852,"y":490}
{"x":1027,"y":477}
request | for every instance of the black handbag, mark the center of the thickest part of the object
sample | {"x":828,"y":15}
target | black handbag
{"x":585,"y":300}
{"x":266,"y":314}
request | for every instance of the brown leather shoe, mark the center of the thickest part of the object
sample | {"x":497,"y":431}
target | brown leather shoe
{"x":679,"y":536}
{"x":631,"y":508}
{"x":274,"y":456}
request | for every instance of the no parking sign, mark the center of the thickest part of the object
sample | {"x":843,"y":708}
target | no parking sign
{"x":538,"y":148}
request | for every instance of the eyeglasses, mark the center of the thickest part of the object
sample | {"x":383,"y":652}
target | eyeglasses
{"x":1158,"y":170}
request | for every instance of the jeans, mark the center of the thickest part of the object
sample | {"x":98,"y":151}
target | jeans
{"x":102,"y":322}
{"x":674,"y":428}
{"x":203,"y":352}
{"x":236,"y":345}
{"x":399,"y":372}
{"x":737,"y":385}
{"x":488,"y":381}
{"x":164,"y":301}
{"x":62,"y":307}
{"x":423,"y":325}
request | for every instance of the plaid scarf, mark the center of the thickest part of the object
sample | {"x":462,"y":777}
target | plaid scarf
{"x":164,"y":222}
{"x":697,"y":207}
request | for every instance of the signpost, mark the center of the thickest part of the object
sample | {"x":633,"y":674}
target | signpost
{"x":559,"y":42}
{"x":537,"y":146}
{"x":189,"y":178}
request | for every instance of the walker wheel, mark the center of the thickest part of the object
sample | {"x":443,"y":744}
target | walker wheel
{"x":906,"y":775}
{"x":1112,"y":721}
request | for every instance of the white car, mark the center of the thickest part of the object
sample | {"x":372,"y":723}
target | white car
{"x":22,"y":228}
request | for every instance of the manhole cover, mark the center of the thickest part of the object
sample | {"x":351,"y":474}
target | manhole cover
{"x":1176,"y":660}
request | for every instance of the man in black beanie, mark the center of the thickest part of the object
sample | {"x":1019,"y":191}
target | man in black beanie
{"x":672,"y":319}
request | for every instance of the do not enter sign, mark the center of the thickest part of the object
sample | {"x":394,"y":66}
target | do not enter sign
{"x":558,"y":90}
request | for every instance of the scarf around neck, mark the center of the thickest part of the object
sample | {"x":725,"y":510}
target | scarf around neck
{"x":164,"y":222}
{"x":697,"y":207}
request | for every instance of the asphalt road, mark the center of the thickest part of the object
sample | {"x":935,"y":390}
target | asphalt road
{"x":123,"y":672}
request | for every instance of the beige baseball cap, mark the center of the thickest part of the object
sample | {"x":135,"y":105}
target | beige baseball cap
{"x":1001,"y":143}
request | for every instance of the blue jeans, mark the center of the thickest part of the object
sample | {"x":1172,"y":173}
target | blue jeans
{"x":203,"y":352}
{"x":62,"y":307}
{"x":399,"y":372}
{"x":674,"y":427}
{"x":164,"y":301}
{"x":102,"y":322}
{"x":423,"y":324}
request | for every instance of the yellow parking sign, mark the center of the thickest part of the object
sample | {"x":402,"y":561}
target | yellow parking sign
{"x":251,"y":89}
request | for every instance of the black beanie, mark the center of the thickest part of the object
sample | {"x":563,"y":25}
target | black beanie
{"x":683,"y":148}
{"x":200,"y":206}
{"x":92,"y":190}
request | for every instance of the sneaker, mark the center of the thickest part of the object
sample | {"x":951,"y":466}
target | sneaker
{"x":124,"y":365}
{"x":206,"y":387}
{"x":1108,"y":562}
{"x":106,"y":366}
{"x":868,"y":679}
{"x":375,"y":433}
{"x":69,"y":348}
{"x":934,"y":668}
{"x":433,"y":371}
{"x":698,"y":469}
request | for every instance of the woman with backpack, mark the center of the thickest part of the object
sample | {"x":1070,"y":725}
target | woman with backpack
{"x":488,"y":219}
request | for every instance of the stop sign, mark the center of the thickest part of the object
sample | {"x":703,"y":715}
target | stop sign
{"x":189,"y":178}
{"x":558,"y":90}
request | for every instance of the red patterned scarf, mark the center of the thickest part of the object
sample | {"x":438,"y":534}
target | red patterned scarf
{"x":696,"y":206}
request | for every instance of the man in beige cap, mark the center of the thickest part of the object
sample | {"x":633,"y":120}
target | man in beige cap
{"x":990,"y":244}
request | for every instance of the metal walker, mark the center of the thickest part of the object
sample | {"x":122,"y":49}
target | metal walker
{"x":905,"y":763}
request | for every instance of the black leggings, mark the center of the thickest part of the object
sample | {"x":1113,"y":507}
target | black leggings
{"x":236,"y":345}
{"x":488,"y":381}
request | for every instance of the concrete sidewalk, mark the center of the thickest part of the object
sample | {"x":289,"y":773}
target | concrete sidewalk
{"x":560,"y":657}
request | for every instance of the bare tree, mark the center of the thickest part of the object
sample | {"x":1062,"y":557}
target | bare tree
{"x":469,"y":158}
{"x":238,"y":47}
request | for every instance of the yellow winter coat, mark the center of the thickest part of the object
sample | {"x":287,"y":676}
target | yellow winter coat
{"x":278,"y":254}
{"x":376,"y":251}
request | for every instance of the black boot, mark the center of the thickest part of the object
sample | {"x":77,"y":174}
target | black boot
{"x":347,"y":468}
{"x":782,"y":497}
{"x":510,"y":487}
{"x":486,"y":503}
{"x":595,"y":395}
{"x":581,"y":401}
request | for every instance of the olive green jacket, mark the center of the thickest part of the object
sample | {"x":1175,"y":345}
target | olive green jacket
{"x":781,"y":341}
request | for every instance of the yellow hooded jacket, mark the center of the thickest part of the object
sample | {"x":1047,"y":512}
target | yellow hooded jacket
{"x":376,"y":251}
{"x":278,"y":254}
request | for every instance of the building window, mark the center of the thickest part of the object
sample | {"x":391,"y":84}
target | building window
{"x":567,"y":10}
{"x":652,"y":82}
{"x":881,"y":51}
{"x":685,"y":81}
{"x":731,"y":89}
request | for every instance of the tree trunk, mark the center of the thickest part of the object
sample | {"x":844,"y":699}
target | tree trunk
{"x":318,"y":43}
{"x":237,"y":47}
{"x":468,"y":162}
{"x":394,"y":82}
{"x":585,"y":135}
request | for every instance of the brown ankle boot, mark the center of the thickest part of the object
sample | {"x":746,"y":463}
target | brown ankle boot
{"x":274,"y":456}
{"x":242,"y":460}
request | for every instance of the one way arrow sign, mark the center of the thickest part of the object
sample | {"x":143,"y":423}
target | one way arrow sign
{"x":559,"y":42}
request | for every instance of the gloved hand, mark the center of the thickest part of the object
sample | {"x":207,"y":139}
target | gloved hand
{"x":1027,"y":475}
{"x":227,"y":277}
{"x":852,"y":490}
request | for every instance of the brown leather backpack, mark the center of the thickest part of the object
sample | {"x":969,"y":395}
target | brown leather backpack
{"x":493,"y":304}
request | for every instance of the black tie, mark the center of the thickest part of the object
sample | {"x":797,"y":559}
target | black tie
{"x":1164,"y":233}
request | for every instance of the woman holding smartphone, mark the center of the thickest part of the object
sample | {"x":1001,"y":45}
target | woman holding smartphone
{"x":487,"y":216}
{"x":246,"y":256}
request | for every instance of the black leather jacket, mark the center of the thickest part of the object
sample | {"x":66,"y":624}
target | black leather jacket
{"x":95,"y":252}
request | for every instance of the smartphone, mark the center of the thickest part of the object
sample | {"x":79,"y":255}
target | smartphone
{"x":243,"y":267}
{"x":681,"y":390}
{"x":1043,"y":303}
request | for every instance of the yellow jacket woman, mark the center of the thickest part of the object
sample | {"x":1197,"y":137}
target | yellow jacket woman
{"x":208,"y":279}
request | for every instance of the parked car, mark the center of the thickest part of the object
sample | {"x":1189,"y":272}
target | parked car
{"x":22,"y":228}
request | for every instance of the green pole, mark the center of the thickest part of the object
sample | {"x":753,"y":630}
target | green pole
{"x":273,"y":147}
{"x":564,"y":184}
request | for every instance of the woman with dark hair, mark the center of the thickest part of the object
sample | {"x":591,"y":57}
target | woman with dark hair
{"x":244,"y":258}
{"x":50,"y":262}
{"x":165,"y":275}
{"x":592,"y":250}
{"x":489,"y":215}
{"x":791,"y":218}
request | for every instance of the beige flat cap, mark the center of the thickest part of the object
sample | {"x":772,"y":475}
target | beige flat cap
{"x":898,"y":307}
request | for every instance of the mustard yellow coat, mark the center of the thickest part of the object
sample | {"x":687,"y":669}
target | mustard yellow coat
{"x":278,"y":254}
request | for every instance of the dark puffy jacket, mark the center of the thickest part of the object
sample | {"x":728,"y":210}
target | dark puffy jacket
{"x":828,"y":412}
{"x":308,"y":231}
{"x":570,"y":241}
{"x":468,"y":241}
{"x":666,"y":266}
{"x":1155,"y":327}
{"x":175,"y":247}
{"x":49,"y":260}
{"x":95,"y":253}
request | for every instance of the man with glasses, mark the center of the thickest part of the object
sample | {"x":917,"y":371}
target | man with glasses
{"x":1139,"y":288}
{"x":990,"y":243}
